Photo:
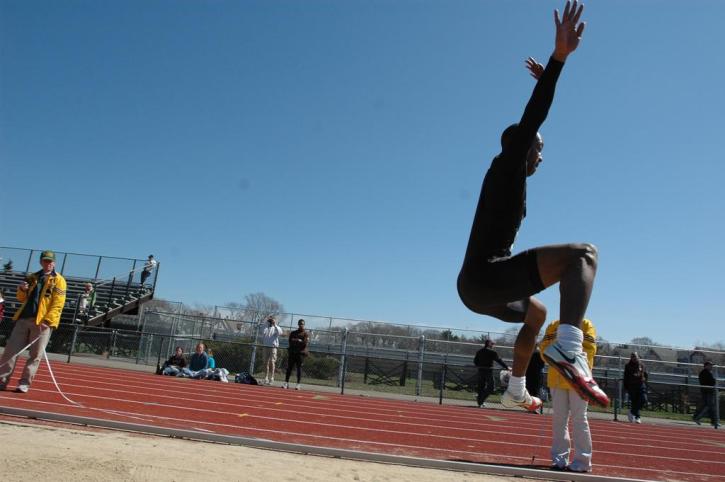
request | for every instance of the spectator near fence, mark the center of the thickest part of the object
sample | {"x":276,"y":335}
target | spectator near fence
{"x":175,"y":363}
{"x":211,"y":362}
{"x":566,"y":403}
{"x":297,"y":351}
{"x":484,"y":361}
{"x":635,"y":382}
{"x":708,"y":397}
{"x":148,"y":268}
{"x":270,"y":340}
{"x":87,"y":299}
{"x":42,"y":295}
{"x":198,"y":364}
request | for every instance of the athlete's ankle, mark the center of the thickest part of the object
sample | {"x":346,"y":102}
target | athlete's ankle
{"x":569,"y":338}
{"x":517,"y":386}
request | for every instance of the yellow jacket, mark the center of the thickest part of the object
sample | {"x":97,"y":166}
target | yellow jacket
{"x":50,"y":301}
{"x":553,"y":379}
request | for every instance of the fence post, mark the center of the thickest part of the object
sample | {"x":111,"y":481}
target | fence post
{"x":443,"y":383}
{"x":149,"y":344}
{"x":343,"y":354}
{"x":618,"y":400}
{"x":343,"y":361}
{"x":98,"y":267}
{"x":254,"y":349}
{"x":716,"y":421}
{"x":114,"y":334}
{"x":158,"y":360}
{"x":30,"y":258}
{"x":421,"y":352}
{"x":73,"y":342}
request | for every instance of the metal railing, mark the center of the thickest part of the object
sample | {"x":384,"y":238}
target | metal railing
{"x":74,"y":264}
{"x":345,"y":360}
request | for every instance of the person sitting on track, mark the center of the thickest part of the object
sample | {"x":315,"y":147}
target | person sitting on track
{"x":198,"y":364}
{"x":175,"y":363}
{"x":495,"y":283}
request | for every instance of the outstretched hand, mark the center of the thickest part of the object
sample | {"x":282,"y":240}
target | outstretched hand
{"x":568,"y":30}
{"x":535,"y":68}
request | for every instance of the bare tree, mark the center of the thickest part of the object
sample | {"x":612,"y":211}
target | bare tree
{"x":259,"y":306}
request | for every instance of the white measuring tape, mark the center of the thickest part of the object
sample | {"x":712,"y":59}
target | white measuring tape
{"x":57,"y":387}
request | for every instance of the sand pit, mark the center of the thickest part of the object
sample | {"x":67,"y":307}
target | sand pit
{"x":35,"y":451}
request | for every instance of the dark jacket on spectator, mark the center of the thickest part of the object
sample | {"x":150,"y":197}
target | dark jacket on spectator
{"x":706,"y":379}
{"x":298,"y":340}
{"x":178,"y":361}
{"x":485,"y":358}
{"x":634,"y":375}
{"x":198,"y":362}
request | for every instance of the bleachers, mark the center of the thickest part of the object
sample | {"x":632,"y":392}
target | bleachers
{"x":113,"y":297}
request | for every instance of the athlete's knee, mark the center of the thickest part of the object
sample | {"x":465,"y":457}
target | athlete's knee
{"x":591,"y":254}
{"x":536,"y":314}
{"x":585,"y":252}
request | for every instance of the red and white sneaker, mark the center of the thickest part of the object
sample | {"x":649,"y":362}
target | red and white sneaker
{"x":532,"y":404}
{"x":575,"y":370}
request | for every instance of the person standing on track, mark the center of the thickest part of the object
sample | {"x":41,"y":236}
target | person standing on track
{"x":297,"y":351}
{"x":567,"y":404}
{"x":495,"y":283}
{"x":484,"y":361}
{"x":635,"y":382}
{"x":42,"y":295}
{"x":708,"y":396}
{"x":270,"y":340}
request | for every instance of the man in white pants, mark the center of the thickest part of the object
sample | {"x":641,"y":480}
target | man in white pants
{"x":270,"y":340}
{"x":567,"y":403}
{"x":43,"y":298}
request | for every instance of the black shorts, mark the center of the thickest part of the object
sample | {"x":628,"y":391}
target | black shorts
{"x":501,"y":287}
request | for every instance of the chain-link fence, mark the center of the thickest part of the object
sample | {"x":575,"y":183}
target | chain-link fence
{"x":372,"y":362}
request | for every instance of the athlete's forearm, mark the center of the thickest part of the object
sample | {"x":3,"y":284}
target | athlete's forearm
{"x":541,"y":99}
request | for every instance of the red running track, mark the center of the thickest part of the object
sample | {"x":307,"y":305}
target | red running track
{"x":393,"y":427}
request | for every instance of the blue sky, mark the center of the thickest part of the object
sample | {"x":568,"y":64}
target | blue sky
{"x":330,"y":153}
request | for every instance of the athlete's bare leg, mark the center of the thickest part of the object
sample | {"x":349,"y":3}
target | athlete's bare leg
{"x":526,"y":339}
{"x":574,"y":267}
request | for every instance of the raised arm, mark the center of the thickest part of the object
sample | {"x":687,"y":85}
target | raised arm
{"x":568,"y":35}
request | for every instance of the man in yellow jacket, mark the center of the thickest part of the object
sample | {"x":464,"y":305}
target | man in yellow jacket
{"x":566,"y":402}
{"x":43,"y":298}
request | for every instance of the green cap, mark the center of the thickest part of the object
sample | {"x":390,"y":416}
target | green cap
{"x":47,"y":254}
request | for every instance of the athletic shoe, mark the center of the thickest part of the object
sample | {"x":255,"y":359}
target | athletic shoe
{"x":481,"y":405}
{"x":577,"y":469}
{"x":630,"y":417}
{"x":284,"y":385}
{"x":637,"y":420}
{"x":575,"y":370}
{"x":697,"y":421}
{"x":528,"y":402}
{"x":2,"y":387}
{"x":22,"y":388}
{"x":266,"y":381}
{"x":298,"y":387}
{"x":271,"y":381}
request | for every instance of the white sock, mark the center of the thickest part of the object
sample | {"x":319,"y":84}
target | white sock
{"x":570,"y":338}
{"x":517,"y":385}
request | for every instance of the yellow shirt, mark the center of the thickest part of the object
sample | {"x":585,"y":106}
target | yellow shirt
{"x":553,"y":379}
